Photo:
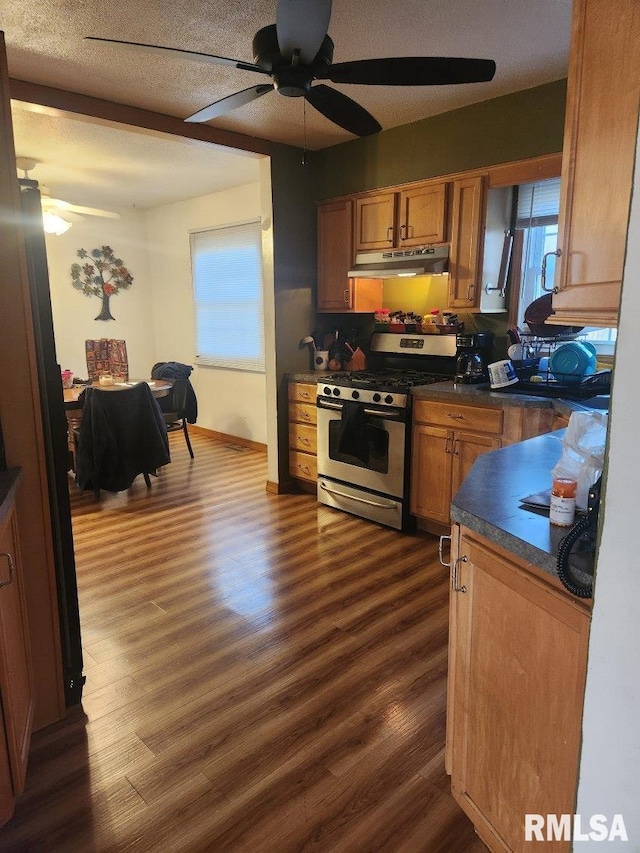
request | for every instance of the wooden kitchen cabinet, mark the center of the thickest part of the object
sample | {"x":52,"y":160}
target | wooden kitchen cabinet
{"x":303,"y":463}
{"x":467,"y":238}
{"x":336,"y":291}
{"x":446,"y":441}
{"x":601,"y":122}
{"x":414,"y":215}
{"x":517,"y":666}
{"x":16,"y":681}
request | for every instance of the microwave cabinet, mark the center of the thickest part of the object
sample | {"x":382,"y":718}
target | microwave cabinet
{"x":517,"y":667}
{"x":601,"y":123}
{"x":16,"y":680}
{"x":336,"y":291}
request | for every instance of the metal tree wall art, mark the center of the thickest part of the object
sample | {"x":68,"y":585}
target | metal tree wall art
{"x":102,"y":275}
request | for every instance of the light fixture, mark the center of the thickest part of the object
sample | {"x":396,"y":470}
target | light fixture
{"x":54,"y":224}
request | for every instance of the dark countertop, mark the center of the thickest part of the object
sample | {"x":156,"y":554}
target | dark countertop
{"x":8,"y":484}
{"x":478,"y":395}
{"x":488,"y":502}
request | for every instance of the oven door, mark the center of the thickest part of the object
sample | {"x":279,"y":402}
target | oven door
{"x":372,"y":455}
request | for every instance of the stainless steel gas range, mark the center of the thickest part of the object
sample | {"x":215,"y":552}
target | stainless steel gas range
{"x":364,"y":426}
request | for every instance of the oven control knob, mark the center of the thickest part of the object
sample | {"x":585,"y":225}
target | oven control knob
{"x":327,"y":391}
{"x":388,"y":399}
{"x":336,"y":392}
{"x":355,"y":394}
{"x":376,"y":398}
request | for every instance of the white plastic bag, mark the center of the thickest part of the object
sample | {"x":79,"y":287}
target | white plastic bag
{"x":583,"y":450}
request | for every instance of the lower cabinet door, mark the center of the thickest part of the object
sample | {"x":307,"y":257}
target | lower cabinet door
{"x":466,"y":449}
{"x":517,"y":671}
{"x":16,"y":685}
{"x":431,"y":472}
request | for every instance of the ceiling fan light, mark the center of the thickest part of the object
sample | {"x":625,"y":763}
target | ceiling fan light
{"x":54,"y":224}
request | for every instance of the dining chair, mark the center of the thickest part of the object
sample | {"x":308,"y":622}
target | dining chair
{"x":180,"y":407}
{"x":122,"y":434}
{"x":106,"y":355}
{"x":174,"y":410}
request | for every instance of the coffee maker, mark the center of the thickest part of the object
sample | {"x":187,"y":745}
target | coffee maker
{"x":474,"y":353}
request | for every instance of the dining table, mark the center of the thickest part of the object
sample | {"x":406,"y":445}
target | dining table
{"x":159,"y":388}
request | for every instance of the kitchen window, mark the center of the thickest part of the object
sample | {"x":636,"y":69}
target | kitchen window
{"x":226,"y":267}
{"x":538,"y":206}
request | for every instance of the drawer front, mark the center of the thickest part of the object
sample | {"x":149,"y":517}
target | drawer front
{"x":456,"y":416}
{"x":304,"y":413}
{"x":303,"y":392}
{"x":303,"y":438}
{"x":304,"y":466}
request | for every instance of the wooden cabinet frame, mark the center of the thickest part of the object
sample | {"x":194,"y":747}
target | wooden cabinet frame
{"x":517,"y":669}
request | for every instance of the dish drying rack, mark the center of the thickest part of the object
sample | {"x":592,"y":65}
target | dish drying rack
{"x":554,"y":384}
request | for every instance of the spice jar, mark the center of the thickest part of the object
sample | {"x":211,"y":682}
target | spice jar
{"x":562,"y":509}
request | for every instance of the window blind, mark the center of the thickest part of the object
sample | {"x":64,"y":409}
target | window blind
{"x":226,"y":265}
{"x":538,"y":203}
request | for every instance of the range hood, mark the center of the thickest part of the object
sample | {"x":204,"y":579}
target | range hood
{"x":428,"y":260}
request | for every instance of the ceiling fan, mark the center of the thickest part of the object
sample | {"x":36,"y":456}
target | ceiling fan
{"x":27,"y":164}
{"x":296,"y":51}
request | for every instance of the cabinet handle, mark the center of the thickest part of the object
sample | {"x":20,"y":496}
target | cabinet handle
{"x":346,"y":296}
{"x":10,"y":561}
{"x":454,"y":575}
{"x":305,"y":441}
{"x":304,"y":468}
{"x":440,"y":547}
{"x":455,"y":417}
{"x":470,"y":290}
{"x":447,"y":447}
{"x":305,"y":416}
{"x":403,"y":232}
{"x":456,"y":448}
{"x":543,"y":272}
{"x":304,"y":394}
{"x":390,"y":233}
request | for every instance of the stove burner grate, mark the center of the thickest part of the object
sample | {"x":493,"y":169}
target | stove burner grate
{"x":385,"y":378}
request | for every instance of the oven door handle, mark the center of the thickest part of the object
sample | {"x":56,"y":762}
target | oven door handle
{"x":388,"y":415}
{"x":386,"y":505}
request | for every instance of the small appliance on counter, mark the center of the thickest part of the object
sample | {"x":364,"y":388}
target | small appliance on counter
{"x":474,"y":352}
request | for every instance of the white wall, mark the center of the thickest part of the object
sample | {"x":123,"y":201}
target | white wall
{"x":610,"y":763}
{"x":155,"y":316}
{"x":229,"y":401}
{"x":74,"y":313}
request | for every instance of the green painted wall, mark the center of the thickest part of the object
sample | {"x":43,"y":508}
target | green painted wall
{"x":512,"y":127}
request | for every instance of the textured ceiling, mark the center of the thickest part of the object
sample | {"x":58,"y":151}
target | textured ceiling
{"x":102,"y":165}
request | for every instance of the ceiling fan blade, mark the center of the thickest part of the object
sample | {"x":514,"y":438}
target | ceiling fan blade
{"x":59,"y":204}
{"x":206,"y":58}
{"x":411,"y":71}
{"x":301,"y":26}
{"x":232,"y":102}
{"x":342,"y":110}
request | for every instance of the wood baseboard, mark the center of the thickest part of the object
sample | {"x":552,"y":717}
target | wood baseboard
{"x":228,"y":439}
{"x":290,"y":486}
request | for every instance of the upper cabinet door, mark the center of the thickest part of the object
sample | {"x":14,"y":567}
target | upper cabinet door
{"x":598,"y":157}
{"x":467,"y":236}
{"x":376,"y":222}
{"x":423,"y":215}
{"x":335,"y":254}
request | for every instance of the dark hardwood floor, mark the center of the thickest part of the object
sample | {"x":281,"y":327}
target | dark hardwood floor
{"x":263,"y":674}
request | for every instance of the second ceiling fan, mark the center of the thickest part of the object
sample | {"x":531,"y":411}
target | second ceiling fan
{"x":296,"y":51}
